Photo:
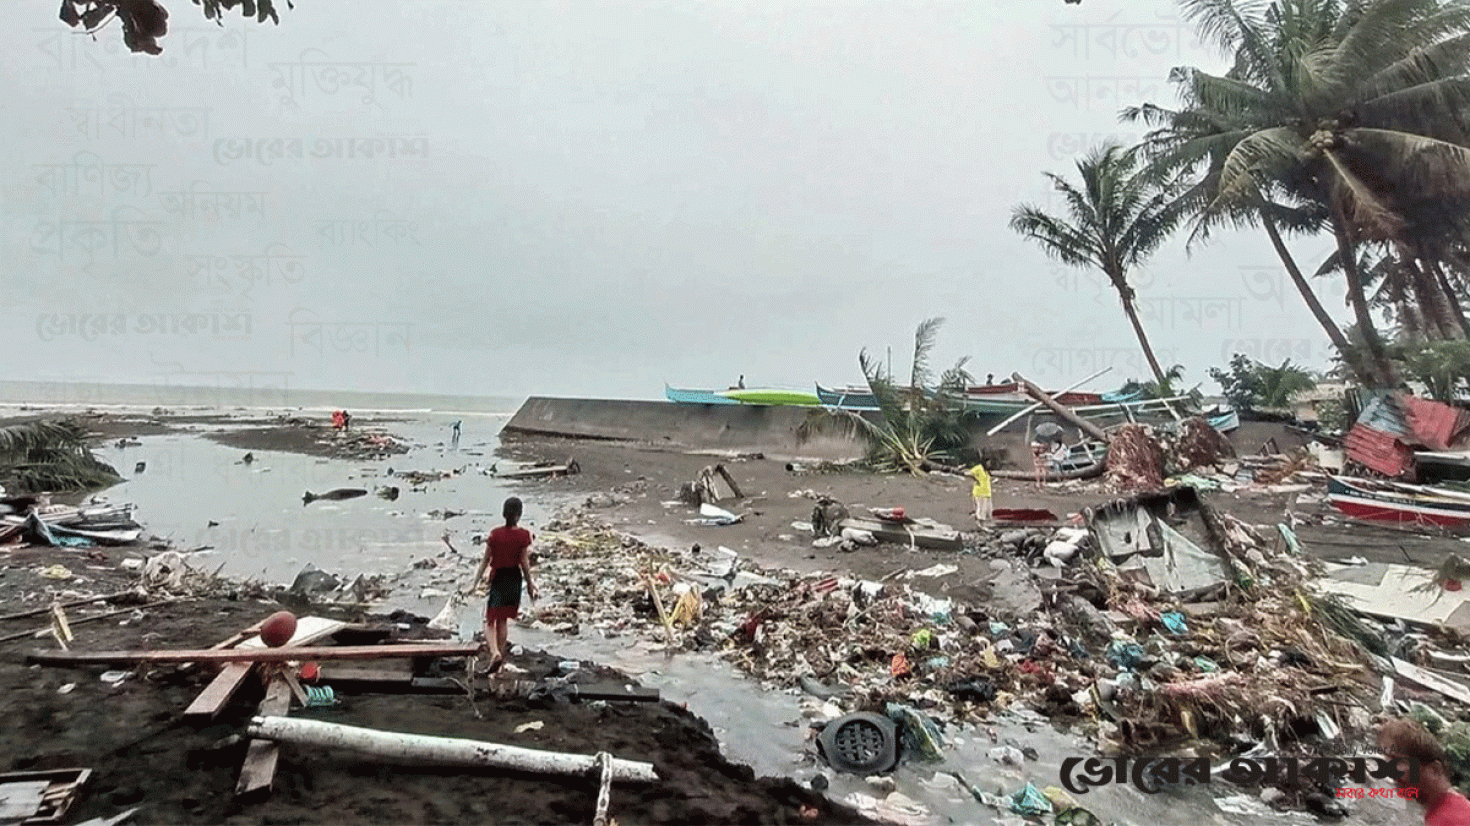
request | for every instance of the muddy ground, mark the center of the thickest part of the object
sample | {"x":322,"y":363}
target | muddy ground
{"x":143,"y":753}
{"x":641,"y":478}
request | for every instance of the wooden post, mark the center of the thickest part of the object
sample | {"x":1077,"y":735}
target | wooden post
{"x":725,"y":474}
{"x":1040,"y":395}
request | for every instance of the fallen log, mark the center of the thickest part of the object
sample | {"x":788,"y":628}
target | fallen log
{"x":1040,"y":395}
{"x":453,"y":751}
{"x":1052,"y":475}
{"x":259,"y":655}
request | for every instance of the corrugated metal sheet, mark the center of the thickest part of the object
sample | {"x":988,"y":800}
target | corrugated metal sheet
{"x":1383,"y":413}
{"x":1378,"y":450}
{"x":1435,"y":425}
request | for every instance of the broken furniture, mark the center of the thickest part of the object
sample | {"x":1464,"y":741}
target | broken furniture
{"x":37,"y":797}
{"x":917,"y":533}
{"x":702,"y":490}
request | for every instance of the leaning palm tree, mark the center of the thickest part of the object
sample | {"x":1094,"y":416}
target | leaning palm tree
{"x":50,"y":456}
{"x":1114,"y":222}
{"x":1356,"y":109}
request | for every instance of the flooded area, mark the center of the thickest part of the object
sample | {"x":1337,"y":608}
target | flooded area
{"x":263,"y":531}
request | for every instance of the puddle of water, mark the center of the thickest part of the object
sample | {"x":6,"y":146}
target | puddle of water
{"x":264,"y":531}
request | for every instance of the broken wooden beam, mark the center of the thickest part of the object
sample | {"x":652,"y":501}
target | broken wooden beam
{"x":74,"y":603}
{"x":80,"y":620}
{"x":453,"y":751}
{"x":258,"y":770}
{"x":725,"y":474}
{"x":259,"y":655}
{"x":1056,"y":407}
{"x":217,"y":694}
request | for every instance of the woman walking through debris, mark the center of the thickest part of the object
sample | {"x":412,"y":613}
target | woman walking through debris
{"x":508,"y":558}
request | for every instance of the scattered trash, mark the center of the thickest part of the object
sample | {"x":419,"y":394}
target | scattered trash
{"x":532,"y":726}
{"x":1030,"y":802}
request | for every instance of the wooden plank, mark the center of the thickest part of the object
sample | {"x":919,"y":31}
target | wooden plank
{"x":1429,"y":679}
{"x":258,"y":770}
{"x":262,"y":655}
{"x":922,"y":537}
{"x":219,"y":691}
{"x":340,"y":673}
{"x":217,"y":694}
{"x":81,"y":620}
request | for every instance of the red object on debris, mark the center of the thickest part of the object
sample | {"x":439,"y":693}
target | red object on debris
{"x":900,"y":665}
{"x":897,"y":513}
{"x":278,"y":628}
{"x":1452,"y":585}
{"x":1378,"y":450}
{"x":1436,"y":425}
{"x":310,"y":672}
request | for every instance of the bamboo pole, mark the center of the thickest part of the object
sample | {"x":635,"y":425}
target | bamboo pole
{"x":259,"y":655}
{"x":398,"y":746}
{"x":74,"y":603}
{"x":658,"y":603}
{"x":34,"y":631}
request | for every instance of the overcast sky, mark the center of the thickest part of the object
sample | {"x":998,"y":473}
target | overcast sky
{"x":499,"y":197}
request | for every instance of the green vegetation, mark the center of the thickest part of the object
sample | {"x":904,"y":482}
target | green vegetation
{"x":49,"y":456}
{"x":1251,"y":385}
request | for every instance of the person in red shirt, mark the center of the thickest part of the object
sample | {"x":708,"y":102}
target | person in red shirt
{"x":1407,"y":739}
{"x":508,"y":559}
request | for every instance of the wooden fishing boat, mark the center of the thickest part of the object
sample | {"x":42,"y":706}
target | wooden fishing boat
{"x":1383,"y":501}
{"x":689,"y":396}
{"x":848,"y":398}
{"x":1224,"y":420}
{"x":772,"y":396}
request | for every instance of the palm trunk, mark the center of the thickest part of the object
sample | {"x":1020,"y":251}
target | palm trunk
{"x":1380,"y":371}
{"x":1453,"y":300}
{"x":1431,"y":300}
{"x":1334,"y":333}
{"x":1125,"y":293}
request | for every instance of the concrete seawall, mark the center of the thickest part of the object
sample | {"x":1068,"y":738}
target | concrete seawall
{"x":778,"y":432}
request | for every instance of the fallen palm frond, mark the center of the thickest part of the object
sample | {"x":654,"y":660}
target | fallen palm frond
{"x":50,"y":456}
{"x":1454,"y":569}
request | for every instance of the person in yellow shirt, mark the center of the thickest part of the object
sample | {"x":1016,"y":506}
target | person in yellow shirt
{"x":981,"y":492}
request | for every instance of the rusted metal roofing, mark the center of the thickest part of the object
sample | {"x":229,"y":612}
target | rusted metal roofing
{"x":1435,"y":425}
{"x":1378,"y":450}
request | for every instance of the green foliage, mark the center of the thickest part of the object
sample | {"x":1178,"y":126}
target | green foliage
{"x":918,"y":425}
{"x":50,"y":456}
{"x":145,"y":21}
{"x":1442,"y":366}
{"x":1251,"y":385}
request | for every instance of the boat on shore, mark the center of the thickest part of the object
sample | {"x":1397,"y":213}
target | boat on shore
{"x":679,"y":395}
{"x":1383,"y":501}
{"x":851,"y":397}
{"x":774,"y":396}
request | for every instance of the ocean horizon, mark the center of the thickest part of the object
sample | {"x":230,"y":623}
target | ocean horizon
{"x":242,"y":392}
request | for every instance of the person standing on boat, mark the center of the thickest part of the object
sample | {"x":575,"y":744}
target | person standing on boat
{"x":508,"y":559}
{"x":981,"y":492}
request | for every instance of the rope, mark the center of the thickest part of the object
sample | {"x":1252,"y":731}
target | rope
{"x":604,"y":791}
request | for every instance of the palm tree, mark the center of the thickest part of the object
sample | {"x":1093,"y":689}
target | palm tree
{"x":51,"y":456}
{"x":917,"y":424}
{"x":1356,"y":112}
{"x":1114,"y":222}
